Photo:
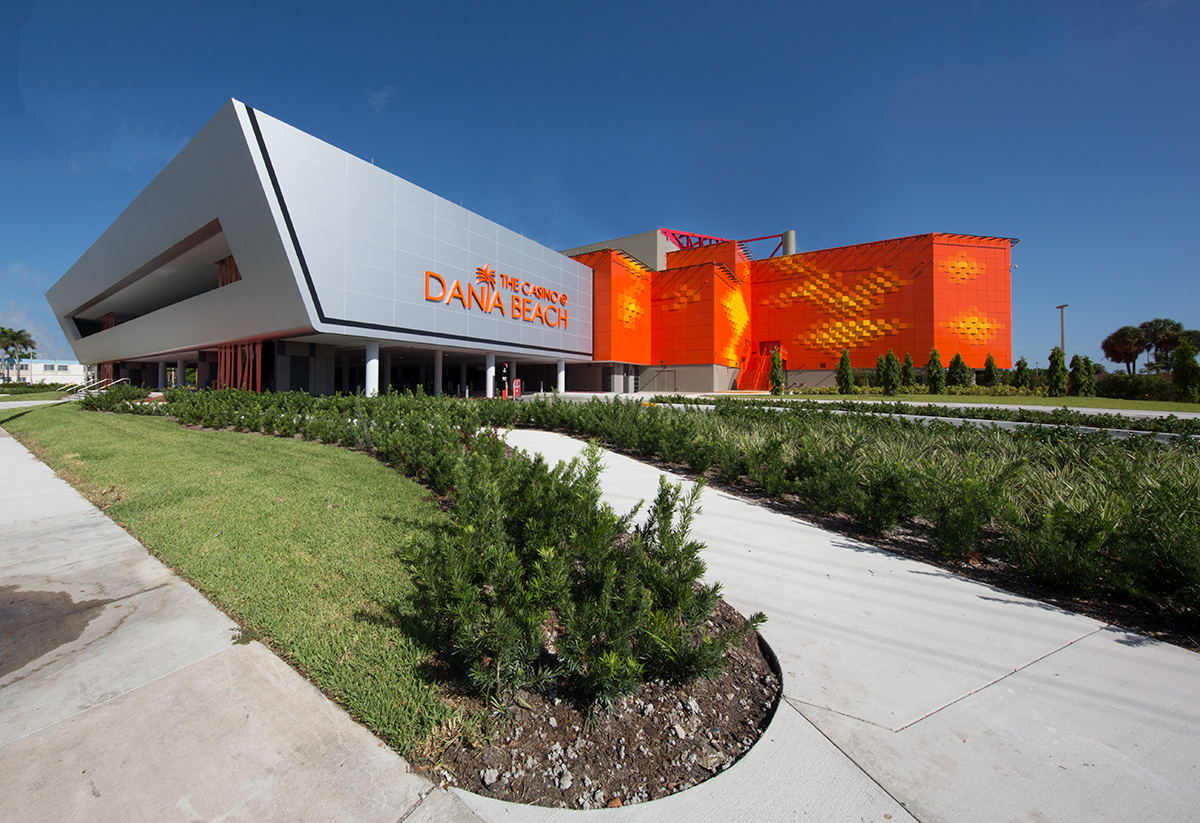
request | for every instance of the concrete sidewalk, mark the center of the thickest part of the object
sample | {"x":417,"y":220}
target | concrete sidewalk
{"x":122,"y":697}
{"x":910,"y":691}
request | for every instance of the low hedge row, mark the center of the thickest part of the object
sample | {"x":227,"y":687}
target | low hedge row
{"x":1048,"y":417}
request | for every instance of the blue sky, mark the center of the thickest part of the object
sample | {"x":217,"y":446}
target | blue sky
{"x":1070,"y":125}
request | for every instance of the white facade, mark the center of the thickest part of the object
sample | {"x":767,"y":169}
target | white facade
{"x":342,"y":265}
{"x":43,"y":371}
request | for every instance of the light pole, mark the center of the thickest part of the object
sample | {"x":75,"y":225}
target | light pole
{"x":1062,"y":328}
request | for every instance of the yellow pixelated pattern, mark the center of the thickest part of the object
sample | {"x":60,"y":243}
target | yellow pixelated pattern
{"x":962,"y":268}
{"x":973,"y":325}
{"x":738,"y":314}
{"x":848,"y":334}
{"x":679,"y":298}
{"x":631,"y":302}
{"x":826,"y":291}
{"x":848,"y":307}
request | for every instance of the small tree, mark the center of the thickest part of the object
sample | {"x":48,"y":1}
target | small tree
{"x":777,"y":376}
{"x":958,"y":374}
{"x":1021,"y":376}
{"x":1187,"y":372}
{"x":908,"y":373}
{"x":1075,"y":377}
{"x":1056,"y":374}
{"x":1088,"y":387}
{"x":991,"y":374}
{"x":891,"y":374}
{"x":845,"y":374}
{"x":935,"y":373}
{"x":879,"y":370}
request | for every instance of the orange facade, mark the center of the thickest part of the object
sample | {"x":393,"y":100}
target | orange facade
{"x":714,"y":304}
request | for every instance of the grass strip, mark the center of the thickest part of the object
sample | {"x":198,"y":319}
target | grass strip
{"x":295,"y":540}
{"x":33,"y":395}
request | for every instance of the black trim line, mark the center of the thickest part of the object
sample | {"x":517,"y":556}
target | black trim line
{"x":312,"y":291}
{"x":287,"y":217}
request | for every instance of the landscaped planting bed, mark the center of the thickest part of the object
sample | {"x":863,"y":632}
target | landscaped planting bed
{"x":1051,"y":417}
{"x":559,"y":628}
{"x":1082,"y":515}
{"x":526,"y":621}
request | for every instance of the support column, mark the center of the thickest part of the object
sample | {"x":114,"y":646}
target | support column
{"x":562,"y":376}
{"x":180,"y":373}
{"x":490,"y":380}
{"x":437,"y":372}
{"x":371,"y":383}
{"x":162,"y":374}
{"x":385,"y":372}
{"x":462,"y":380}
{"x":345,"y":374}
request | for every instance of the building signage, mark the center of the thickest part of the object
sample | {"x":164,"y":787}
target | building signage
{"x":529,"y":302}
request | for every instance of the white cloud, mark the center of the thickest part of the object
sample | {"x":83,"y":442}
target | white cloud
{"x":378,"y":100}
{"x":23,"y":307}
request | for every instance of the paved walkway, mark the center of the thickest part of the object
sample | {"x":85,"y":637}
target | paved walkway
{"x":915,"y":693}
{"x":122,"y":697}
{"x":910,"y":694}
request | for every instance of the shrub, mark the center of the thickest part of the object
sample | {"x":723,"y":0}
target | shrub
{"x":991,"y":374}
{"x":1186,"y":376}
{"x":1021,"y":378}
{"x":777,"y":375}
{"x":891,"y":374}
{"x":1124,"y":386}
{"x":1060,"y":547}
{"x":845,"y":376}
{"x":536,"y":580}
{"x":908,"y":374}
{"x":935,"y":375}
{"x":958,"y":374}
{"x":1056,"y":374}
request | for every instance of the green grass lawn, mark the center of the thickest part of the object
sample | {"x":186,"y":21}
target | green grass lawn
{"x":296,"y":541}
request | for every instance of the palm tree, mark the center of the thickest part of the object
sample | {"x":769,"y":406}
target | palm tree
{"x":15,"y":343}
{"x":1162,"y":336}
{"x":7,"y":345}
{"x":1124,"y":345}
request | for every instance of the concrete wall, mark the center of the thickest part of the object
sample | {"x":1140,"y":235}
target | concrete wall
{"x":688,"y":378}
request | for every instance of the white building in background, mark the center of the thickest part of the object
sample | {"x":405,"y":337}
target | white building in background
{"x":45,"y":371}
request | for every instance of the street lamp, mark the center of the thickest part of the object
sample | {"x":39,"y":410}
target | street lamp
{"x":1062,"y":328}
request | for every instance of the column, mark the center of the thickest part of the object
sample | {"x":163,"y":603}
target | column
{"x":462,"y":380}
{"x":385,"y":372}
{"x":162,"y":374}
{"x":371,"y":383}
{"x":562,"y":376}
{"x":490,"y":380}
{"x":180,"y":373}
{"x":437,"y":371}
{"x":512,"y":377}
{"x":345,"y":374}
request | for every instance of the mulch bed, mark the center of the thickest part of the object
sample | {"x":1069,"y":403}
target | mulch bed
{"x":548,"y":750}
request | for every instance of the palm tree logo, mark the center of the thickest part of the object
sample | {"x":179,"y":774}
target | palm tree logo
{"x":485,"y":275}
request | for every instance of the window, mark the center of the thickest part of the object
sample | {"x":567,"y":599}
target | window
{"x":63,"y":367}
{"x":48,"y":367}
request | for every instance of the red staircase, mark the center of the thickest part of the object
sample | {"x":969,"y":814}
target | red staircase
{"x":756,"y":375}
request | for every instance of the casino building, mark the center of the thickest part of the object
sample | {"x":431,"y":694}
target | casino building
{"x":264,"y":258}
